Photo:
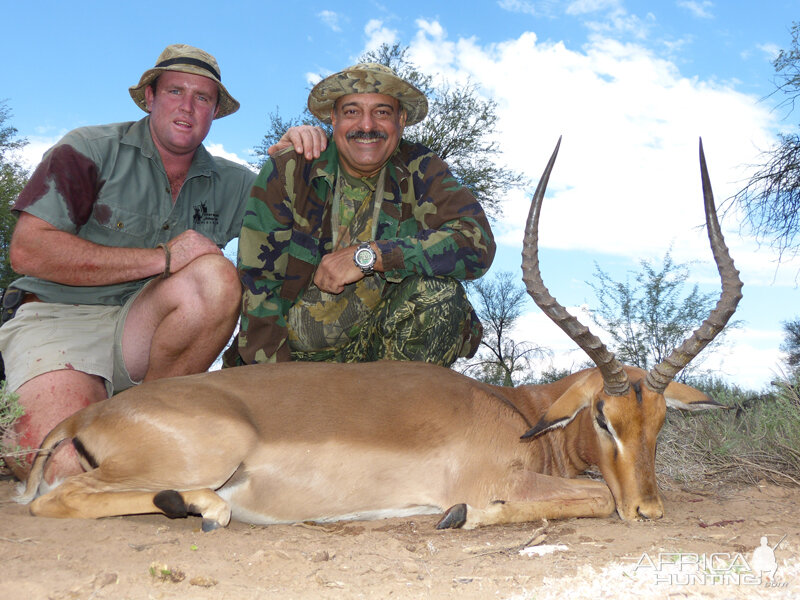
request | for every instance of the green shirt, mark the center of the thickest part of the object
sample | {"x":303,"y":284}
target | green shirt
{"x":107,"y":184}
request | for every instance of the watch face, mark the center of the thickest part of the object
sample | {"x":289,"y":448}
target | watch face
{"x":365,"y":257}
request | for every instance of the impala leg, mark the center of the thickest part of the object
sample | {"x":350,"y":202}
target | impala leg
{"x":214,"y":510}
{"x":85,"y":496}
{"x":551,"y":498}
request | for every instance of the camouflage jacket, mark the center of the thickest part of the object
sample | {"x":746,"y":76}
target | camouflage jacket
{"x":429,"y":224}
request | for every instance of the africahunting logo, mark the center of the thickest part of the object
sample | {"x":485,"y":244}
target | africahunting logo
{"x":717,"y":568}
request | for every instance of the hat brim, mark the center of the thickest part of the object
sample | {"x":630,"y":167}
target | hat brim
{"x":356,"y":80}
{"x":227,"y":104}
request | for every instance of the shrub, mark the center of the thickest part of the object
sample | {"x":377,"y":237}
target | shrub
{"x":756,"y":438}
{"x":10,"y":411}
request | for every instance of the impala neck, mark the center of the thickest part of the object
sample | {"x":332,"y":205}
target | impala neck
{"x":565,"y":451}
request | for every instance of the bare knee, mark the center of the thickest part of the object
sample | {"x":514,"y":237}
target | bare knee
{"x":212,"y":282}
{"x":205,"y":293}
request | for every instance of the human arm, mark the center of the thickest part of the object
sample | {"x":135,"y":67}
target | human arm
{"x":447,"y":250}
{"x":39,"y":249}
{"x":439,"y":228}
{"x":67,"y":202}
{"x":262,"y":262}
{"x":307,"y":140}
{"x":435,"y":228}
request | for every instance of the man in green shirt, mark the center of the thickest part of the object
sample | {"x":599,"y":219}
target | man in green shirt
{"x":120,"y":237}
{"x":358,"y":255}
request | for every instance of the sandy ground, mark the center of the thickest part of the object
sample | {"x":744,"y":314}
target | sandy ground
{"x":152,"y":557}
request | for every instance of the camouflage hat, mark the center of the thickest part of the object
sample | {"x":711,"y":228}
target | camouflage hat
{"x":186,"y":59}
{"x":366,"y":78}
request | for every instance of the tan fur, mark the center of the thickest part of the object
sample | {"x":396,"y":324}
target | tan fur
{"x":310,"y":441}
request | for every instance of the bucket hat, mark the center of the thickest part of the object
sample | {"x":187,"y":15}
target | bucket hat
{"x":367,"y":78}
{"x":186,"y":59}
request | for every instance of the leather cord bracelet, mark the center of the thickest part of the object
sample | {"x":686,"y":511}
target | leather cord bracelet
{"x":166,"y":264}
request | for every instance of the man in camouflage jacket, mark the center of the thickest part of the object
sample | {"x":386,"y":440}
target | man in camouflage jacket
{"x":357,"y":255}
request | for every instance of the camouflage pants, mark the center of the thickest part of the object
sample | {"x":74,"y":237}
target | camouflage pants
{"x":426,"y":319}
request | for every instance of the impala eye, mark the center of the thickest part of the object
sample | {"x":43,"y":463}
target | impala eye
{"x":601,"y":419}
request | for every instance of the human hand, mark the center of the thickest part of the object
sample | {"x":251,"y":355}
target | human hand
{"x":306,"y":139}
{"x":188,"y":246}
{"x":336,"y":270}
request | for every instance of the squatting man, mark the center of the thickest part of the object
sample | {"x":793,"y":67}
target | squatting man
{"x":357,"y":255}
{"x":119,"y":237}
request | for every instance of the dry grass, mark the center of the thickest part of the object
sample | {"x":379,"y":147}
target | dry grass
{"x":756,"y":439}
{"x":10,"y":411}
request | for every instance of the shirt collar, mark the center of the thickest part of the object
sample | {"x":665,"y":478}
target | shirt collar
{"x":139,"y":136}
{"x":328,"y":162}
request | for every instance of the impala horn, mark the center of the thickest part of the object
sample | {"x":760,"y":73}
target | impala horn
{"x":615,"y":379}
{"x":660,"y":375}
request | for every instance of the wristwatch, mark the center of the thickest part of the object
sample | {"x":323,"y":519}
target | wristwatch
{"x":365,"y":258}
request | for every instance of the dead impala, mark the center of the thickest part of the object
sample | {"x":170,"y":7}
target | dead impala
{"x":324,"y":442}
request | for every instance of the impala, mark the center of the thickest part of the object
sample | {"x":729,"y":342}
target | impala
{"x":293,"y":442}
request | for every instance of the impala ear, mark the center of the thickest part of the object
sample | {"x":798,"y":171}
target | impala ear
{"x":568,"y":405}
{"x":685,"y":397}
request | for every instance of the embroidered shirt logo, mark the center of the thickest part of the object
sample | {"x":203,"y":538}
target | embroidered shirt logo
{"x":203,"y":217}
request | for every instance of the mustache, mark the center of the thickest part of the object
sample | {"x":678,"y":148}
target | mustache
{"x":366,"y":135}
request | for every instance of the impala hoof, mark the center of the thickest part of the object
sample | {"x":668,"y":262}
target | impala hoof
{"x":209,"y":525}
{"x":454,"y":518}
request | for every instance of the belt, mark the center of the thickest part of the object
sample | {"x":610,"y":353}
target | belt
{"x":29,"y":297}
{"x":13,"y":298}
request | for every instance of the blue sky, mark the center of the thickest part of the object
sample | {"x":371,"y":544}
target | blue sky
{"x":631,"y":85}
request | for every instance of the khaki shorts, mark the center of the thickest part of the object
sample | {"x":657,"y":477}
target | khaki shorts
{"x":45,"y":337}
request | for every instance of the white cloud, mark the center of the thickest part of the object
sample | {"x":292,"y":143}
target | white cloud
{"x":313,"y":79}
{"x":431,"y":28}
{"x":377,"y":35}
{"x":701,"y":9}
{"x":609,"y":17}
{"x":620,"y":23}
{"x":750,"y":357}
{"x":771,"y":51}
{"x":32,"y":153}
{"x":218,"y":150}
{"x":582,"y":7}
{"x":627,"y":180}
{"x":330,"y":18}
{"x":518,"y":6}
